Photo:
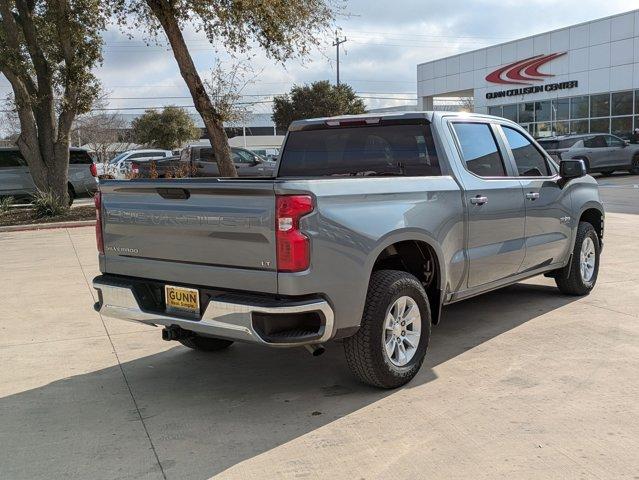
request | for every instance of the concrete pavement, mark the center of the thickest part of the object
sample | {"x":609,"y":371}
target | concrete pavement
{"x":520,"y":383}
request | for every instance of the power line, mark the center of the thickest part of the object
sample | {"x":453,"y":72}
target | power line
{"x":183,"y":97}
{"x":336,"y":44}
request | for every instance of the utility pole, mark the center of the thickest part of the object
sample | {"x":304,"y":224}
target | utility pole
{"x":337,"y":43}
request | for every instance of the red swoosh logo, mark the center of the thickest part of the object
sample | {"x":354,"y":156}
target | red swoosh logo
{"x":522,"y":71}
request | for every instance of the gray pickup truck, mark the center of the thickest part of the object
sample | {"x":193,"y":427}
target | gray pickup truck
{"x":371,"y":225}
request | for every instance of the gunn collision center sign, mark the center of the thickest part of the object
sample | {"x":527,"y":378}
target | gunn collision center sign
{"x":525,"y":73}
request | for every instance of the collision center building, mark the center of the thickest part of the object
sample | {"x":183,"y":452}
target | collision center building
{"x":578,"y":79}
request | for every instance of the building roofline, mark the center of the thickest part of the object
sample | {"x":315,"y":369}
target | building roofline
{"x":530,"y":36}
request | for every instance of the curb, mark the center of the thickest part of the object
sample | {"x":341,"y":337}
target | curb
{"x":47,"y":226}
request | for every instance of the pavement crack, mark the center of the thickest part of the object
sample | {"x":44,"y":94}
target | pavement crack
{"x":117,"y":357}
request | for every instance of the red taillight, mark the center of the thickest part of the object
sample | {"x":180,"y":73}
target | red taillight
{"x":97,"y":199}
{"x":293,"y":247}
{"x":94,"y":169}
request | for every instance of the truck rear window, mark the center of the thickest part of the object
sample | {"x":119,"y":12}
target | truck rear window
{"x":386,"y":150}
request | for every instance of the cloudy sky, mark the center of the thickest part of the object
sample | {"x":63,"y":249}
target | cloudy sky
{"x":386,"y":40}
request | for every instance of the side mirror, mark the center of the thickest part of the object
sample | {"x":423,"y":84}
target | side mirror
{"x":569,"y":169}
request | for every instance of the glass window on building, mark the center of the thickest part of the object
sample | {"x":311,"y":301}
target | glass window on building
{"x":600,"y":125}
{"x":561,"y":109}
{"x":621,"y":103}
{"x":542,"y":129}
{"x":600,"y":105}
{"x":622,"y":127}
{"x":579,"y":108}
{"x":561,"y":128}
{"x":495,"y":111}
{"x":542,"y":111}
{"x":579,"y":126}
{"x":526,"y":112}
{"x":510,"y":112}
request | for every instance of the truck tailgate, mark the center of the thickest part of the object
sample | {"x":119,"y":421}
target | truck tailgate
{"x":210,"y":232}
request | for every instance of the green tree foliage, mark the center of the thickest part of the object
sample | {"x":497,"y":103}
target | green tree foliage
{"x":48,"y":49}
{"x":282,"y":28}
{"x":319,"y":99}
{"x":168,"y":129}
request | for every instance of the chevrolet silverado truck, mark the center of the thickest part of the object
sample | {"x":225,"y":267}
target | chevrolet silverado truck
{"x":371,"y":225}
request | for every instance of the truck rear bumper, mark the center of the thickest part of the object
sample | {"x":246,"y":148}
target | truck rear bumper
{"x":272,"y":322}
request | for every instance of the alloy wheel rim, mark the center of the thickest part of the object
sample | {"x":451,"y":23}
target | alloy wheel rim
{"x":402,"y":331}
{"x":587,"y":259}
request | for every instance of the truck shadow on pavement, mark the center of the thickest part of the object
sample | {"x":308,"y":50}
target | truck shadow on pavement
{"x":207,"y":412}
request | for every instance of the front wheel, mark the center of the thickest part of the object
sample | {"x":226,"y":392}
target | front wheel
{"x":634,"y":169}
{"x":389,"y":348}
{"x":580,"y":275}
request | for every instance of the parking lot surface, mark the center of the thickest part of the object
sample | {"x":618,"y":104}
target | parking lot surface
{"x":519,"y":383}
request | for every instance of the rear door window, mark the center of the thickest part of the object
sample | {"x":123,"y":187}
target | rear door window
{"x":479,"y":149}
{"x":598,"y":141}
{"x":77,"y":157}
{"x":406,"y":150}
{"x":530,"y":162}
{"x":11,"y":159}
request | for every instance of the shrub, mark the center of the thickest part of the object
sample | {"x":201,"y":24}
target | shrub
{"x":46,"y":204}
{"x":5,"y":204}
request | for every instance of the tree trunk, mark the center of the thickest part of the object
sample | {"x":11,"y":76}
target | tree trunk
{"x":43,"y":148}
{"x":214,"y":127}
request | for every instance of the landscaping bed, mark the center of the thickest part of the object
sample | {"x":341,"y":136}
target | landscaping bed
{"x":26,"y":216}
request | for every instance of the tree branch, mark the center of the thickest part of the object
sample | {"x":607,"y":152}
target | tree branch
{"x":25,"y":19}
{"x":11,"y":37}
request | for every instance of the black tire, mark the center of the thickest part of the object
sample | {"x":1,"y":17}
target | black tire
{"x":365,"y":353}
{"x":573,"y":283}
{"x":205,"y":344}
{"x":71,"y":194}
{"x":634,"y":169}
{"x":607,"y":173}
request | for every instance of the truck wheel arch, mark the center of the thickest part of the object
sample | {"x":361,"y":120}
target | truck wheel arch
{"x":418,"y":257}
{"x":595,"y":217}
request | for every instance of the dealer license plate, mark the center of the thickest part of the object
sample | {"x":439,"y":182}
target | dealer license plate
{"x":182,"y":300}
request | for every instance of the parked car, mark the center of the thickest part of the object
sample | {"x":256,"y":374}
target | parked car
{"x":198,"y":162}
{"x":16,"y":181}
{"x":119,"y":166}
{"x":267,"y":153}
{"x":600,"y":152}
{"x":370,"y":227}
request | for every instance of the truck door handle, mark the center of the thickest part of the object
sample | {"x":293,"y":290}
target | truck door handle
{"x":478,"y":200}
{"x":532,"y":195}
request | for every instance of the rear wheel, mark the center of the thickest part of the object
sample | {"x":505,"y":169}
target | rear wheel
{"x":607,"y":173}
{"x":389,"y":348}
{"x":580,"y":275}
{"x":206,"y":344}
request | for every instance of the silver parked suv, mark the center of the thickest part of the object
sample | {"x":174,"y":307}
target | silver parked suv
{"x":16,"y":181}
{"x":600,"y":152}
